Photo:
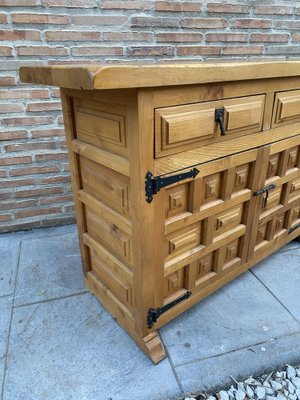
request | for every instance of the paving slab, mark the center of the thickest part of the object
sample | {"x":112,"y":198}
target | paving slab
{"x":49,"y":267}
{"x":41,"y":232}
{"x":72,"y":349}
{"x":242,"y":313}
{"x":5,"y":317}
{"x":281,"y":274}
{"x":9,"y":255}
{"x":214,"y":373}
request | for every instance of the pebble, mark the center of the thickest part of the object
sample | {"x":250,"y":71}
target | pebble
{"x":240,"y":394}
{"x":249,"y":391}
{"x":223,"y":395}
{"x":260,"y":392}
{"x":290,"y":372}
{"x":211,"y":398}
{"x":268,"y":388}
{"x":280,"y":396}
{"x":290,"y":387}
{"x":296,"y":382}
{"x":276,"y":385}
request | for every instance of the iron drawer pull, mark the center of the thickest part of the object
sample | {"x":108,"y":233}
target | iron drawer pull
{"x":294,"y":228}
{"x":219,"y":118}
{"x":265,"y":190}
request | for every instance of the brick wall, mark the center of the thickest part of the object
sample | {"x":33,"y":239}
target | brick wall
{"x":35,"y":184}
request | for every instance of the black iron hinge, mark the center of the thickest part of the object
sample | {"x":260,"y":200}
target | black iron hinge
{"x":293,"y":228}
{"x":265,"y":190}
{"x":153,"y":184}
{"x":154,"y":313}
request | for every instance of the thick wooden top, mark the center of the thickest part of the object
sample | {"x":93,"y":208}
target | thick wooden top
{"x":89,"y":77}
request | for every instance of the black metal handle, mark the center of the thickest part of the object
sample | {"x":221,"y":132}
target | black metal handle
{"x":219,"y":118}
{"x":294,"y":228}
{"x":265,"y":190}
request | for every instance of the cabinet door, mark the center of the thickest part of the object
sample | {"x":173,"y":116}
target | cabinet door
{"x":208,"y":224}
{"x":276,"y":217}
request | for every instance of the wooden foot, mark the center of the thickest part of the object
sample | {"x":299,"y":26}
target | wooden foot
{"x":153,"y":347}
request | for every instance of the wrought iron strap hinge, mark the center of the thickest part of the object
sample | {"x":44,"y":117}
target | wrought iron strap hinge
{"x":265,"y":190}
{"x":154,"y":313}
{"x":153,"y":184}
{"x":293,"y":228}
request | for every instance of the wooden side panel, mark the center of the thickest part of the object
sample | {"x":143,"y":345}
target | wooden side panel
{"x":102,"y":192}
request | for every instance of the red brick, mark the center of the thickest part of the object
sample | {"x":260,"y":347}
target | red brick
{"x":179,"y":37}
{"x":227,"y":8}
{"x":296,"y":37}
{"x":15,"y":160}
{"x":51,"y":156}
{"x":37,"y":211}
{"x":17,"y":183}
{"x":126,"y":5}
{"x":96,"y":51}
{"x":47,"y":132}
{"x":60,"y":120}
{"x":27,"y":121}
{"x":3,"y":18}
{"x":41,"y":51}
{"x":22,"y":18}
{"x":70,"y":3}
{"x":204,"y":23}
{"x":38,"y":192}
{"x":283,"y":24}
{"x":24,"y":94}
{"x":55,"y":93}
{"x":273,"y":10}
{"x":69,"y":208}
{"x":2,"y":175}
{"x":151,"y":22}
{"x":251,"y":23}
{"x":34,"y":170}
{"x":56,"y":179}
{"x":6,"y":51}
{"x":13,"y":135}
{"x":7,"y":81}
{"x":29,"y":146}
{"x":5,"y":195}
{"x":198,"y":50}
{"x":151,"y":51}
{"x":20,"y":35}
{"x":177,"y":7}
{"x":226,"y":37}
{"x":127,"y":36}
{"x":66,"y":167}
{"x":5,"y":217}
{"x":18,"y":3}
{"x":100,"y":20}
{"x":241,"y":50}
{"x":269,"y":37}
{"x":50,"y":106}
{"x":10,"y":108}
{"x":56,"y":199}
{"x":65,"y":36}
{"x":18,"y":204}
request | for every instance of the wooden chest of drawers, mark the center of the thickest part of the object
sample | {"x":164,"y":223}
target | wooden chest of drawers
{"x":184,"y":176}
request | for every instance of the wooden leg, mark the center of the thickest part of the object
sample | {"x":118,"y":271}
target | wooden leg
{"x":152,"y":346}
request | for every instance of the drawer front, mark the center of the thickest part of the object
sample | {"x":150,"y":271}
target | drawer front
{"x":184,"y":127}
{"x":286,"y":108}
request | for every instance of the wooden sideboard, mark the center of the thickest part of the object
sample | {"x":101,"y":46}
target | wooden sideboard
{"x":184,"y":177}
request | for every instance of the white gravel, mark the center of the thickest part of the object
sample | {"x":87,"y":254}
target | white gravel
{"x":279,"y":385}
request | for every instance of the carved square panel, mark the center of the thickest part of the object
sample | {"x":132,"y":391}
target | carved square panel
{"x":229,"y":255}
{"x":205,"y":265}
{"x":231,"y":252}
{"x":174,"y":282}
{"x":241,"y":177}
{"x":292,"y":157}
{"x":176,"y":200}
{"x":184,"y":239}
{"x":211,"y":188}
{"x":273,"y":165}
{"x":261,"y":233}
{"x":294,"y":190}
{"x":228,"y":219}
{"x":279,"y":223}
